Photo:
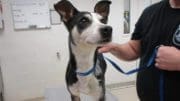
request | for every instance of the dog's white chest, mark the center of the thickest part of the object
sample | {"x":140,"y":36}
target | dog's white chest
{"x":87,"y":85}
{"x":84,"y":84}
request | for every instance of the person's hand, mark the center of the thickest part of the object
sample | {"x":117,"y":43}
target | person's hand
{"x":107,"y":48}
{"x":168,"y":58}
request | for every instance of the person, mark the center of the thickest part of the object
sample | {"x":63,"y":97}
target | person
{"x":158,"y":25}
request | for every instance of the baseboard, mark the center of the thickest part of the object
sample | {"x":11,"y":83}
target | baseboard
{"x":121,"y":85}
{"x":36,"y":99}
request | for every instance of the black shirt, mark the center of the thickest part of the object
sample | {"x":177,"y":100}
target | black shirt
{"x":159,"y":24}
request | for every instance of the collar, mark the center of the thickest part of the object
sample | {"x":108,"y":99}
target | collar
{"x":86,"y":73}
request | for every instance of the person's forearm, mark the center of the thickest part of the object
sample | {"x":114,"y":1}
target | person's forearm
{"x":128,"y":51}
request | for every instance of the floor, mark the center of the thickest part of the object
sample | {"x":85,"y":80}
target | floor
{"x":125,"y":94}
{"x":122,"y":94}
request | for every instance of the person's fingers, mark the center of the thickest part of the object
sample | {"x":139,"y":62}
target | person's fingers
{"x":157,"y":64}
{"x":160,"y":66}
{"x":104,"y":49}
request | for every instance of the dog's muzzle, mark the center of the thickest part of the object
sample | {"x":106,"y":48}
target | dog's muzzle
{"x":106,"y":33}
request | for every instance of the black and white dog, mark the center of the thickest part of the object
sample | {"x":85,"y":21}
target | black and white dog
{"x":87,"y":31}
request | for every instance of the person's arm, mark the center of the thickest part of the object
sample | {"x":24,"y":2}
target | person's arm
{"x":168,"y":58}
{"x":128,"y":51}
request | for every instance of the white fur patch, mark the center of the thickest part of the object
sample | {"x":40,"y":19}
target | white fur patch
{"x":92,"y":34}
{"x":88,"y":85}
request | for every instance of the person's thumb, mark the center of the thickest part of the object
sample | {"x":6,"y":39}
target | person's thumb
{"x":104,"y":49}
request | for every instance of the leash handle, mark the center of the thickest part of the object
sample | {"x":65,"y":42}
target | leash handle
{"x":152,"y":58}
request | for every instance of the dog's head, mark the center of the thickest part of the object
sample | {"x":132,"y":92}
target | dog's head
{"x":86,"y":27}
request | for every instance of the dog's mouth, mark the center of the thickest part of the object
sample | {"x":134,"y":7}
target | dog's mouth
{"x":99,"y":41}
{"x":105,"y":40}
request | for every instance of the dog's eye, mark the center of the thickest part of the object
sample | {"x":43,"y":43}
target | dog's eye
{"x":84,"y":20}
{"x":103,"y":20}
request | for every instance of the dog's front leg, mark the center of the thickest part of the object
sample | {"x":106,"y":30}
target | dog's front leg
{"x":74,"y":91}
{"x":102,"y":98}
{"x":99,"y":97}
{"x":75,"y":98}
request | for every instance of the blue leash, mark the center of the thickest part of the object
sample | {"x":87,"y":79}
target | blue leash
{"x":118,"y":68}
{"x":161,"y":86}
{"x":150,"y":62}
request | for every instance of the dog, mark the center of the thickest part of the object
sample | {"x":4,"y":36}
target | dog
{"x":87,"y":32}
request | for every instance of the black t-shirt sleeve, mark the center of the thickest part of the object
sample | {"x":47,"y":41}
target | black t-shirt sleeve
{"x":137,"y":34}
{"x":140,"y":25}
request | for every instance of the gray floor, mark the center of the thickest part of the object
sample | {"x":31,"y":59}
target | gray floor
{"x":125,"y":94}
{"x":121,"y":94}
{"x":54,"y":94}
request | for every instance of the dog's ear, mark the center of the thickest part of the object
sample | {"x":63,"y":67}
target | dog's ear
{"x":65,"y":9}
{"x":103,"y":8}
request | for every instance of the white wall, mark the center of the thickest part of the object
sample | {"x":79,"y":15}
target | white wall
{"x":28,"y":58}
{"x":155,"y":1}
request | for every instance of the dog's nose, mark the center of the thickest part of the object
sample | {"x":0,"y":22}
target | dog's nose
{"x":106,"y":32}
